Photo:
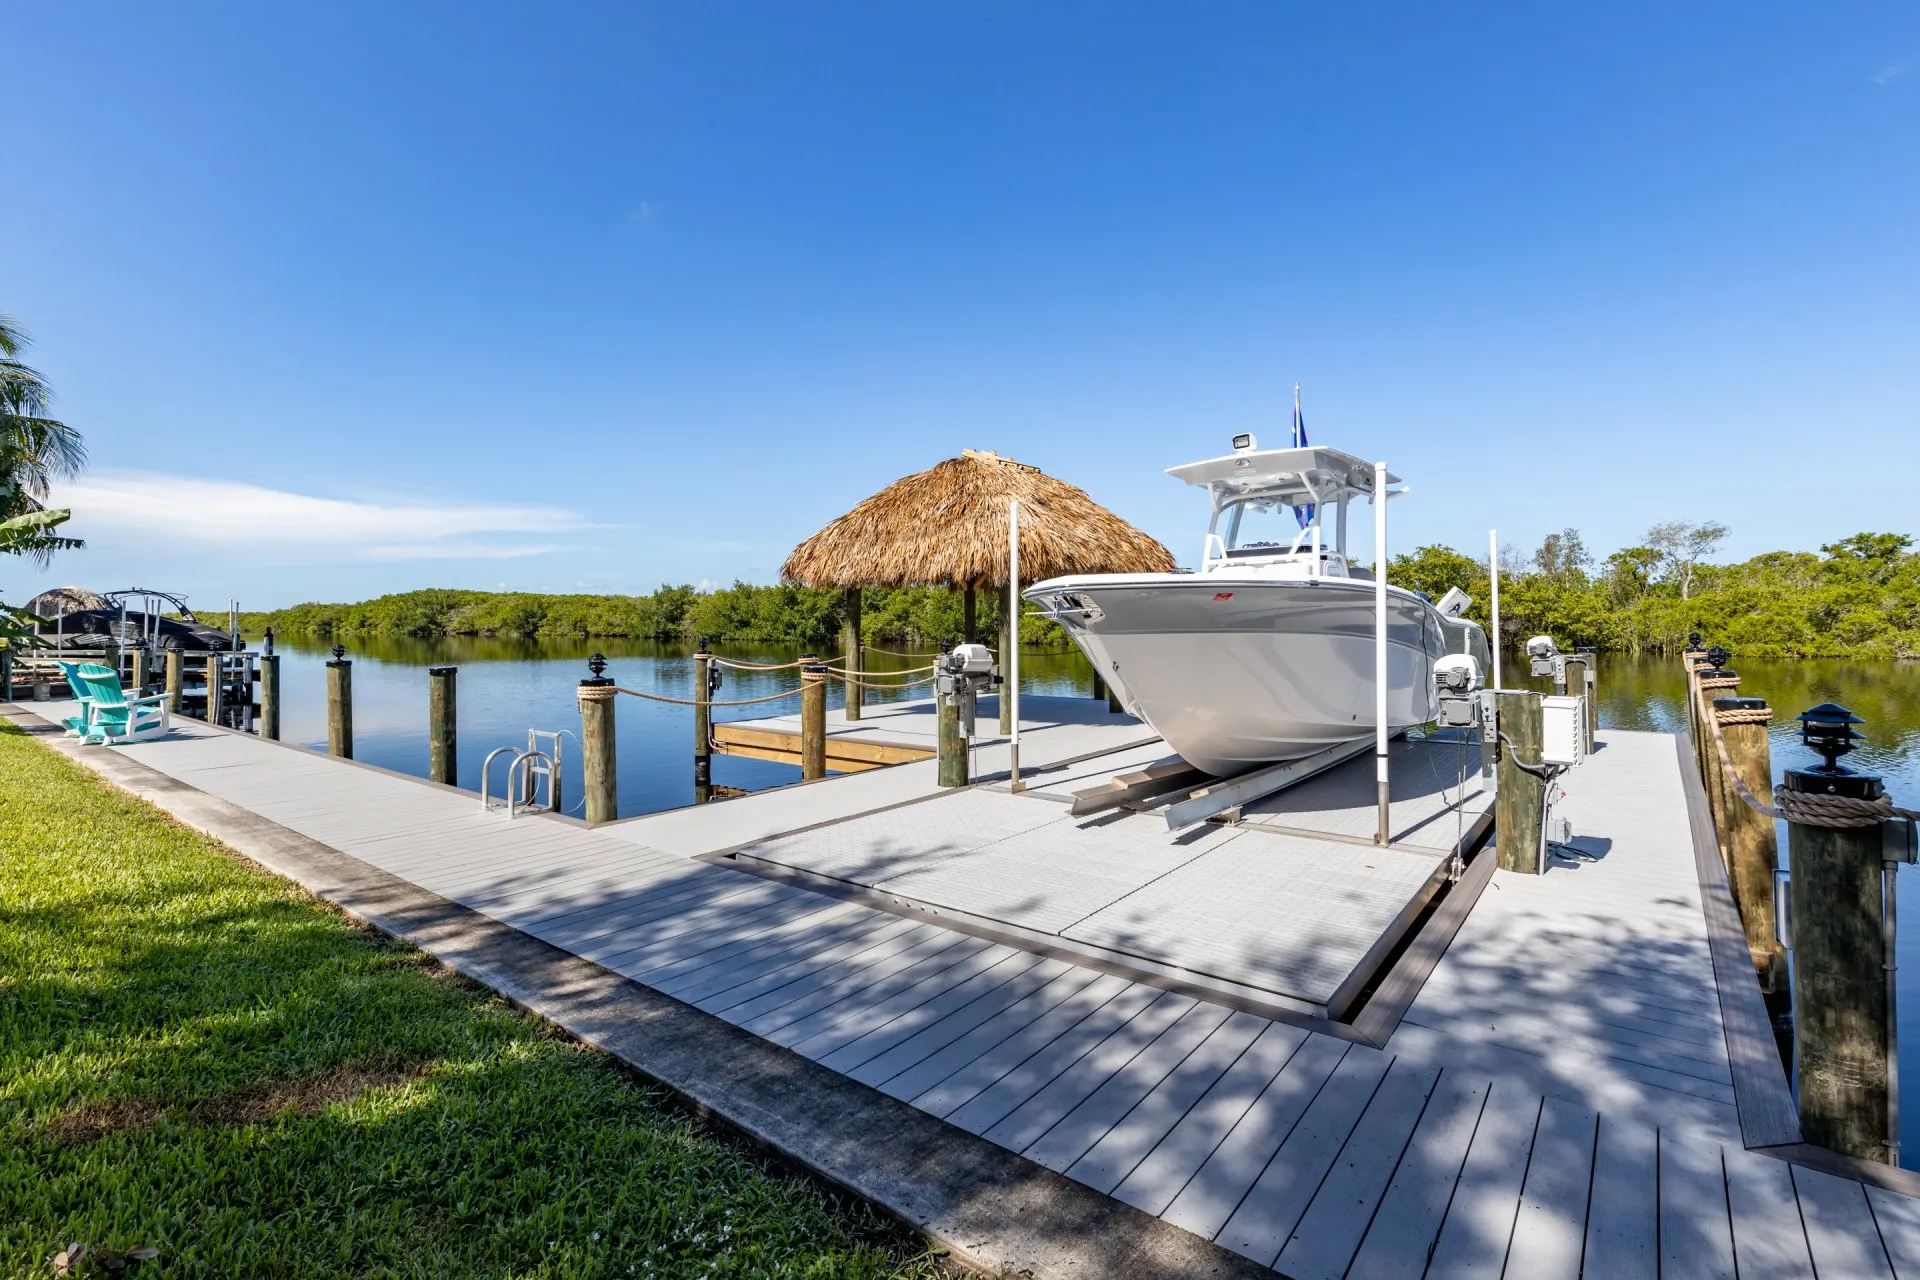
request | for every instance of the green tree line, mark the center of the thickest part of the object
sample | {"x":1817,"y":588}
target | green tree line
{"x":780,"y":614}
{"x":1859,"y":596}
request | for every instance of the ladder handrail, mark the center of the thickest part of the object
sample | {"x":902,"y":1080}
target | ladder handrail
{"x":527,"y":758}
{"x":486,"y":766}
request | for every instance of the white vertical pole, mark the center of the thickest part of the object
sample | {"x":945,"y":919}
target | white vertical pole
{"x":1380,"y":646}
{"x":1493,"y":568}
{"x":1013,"y":632}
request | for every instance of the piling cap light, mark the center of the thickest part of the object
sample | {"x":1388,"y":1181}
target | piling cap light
{"x":703,"y":645}
{"x":1827,"y":731}
{"x":339,"y":652}
{"x":268,"y":650}
{"x":596,"y":664}
{"x":1717,"y":657}
{"x":1694,"y":639}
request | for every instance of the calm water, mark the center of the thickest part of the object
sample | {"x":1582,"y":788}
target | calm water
{"x":509,"y":686}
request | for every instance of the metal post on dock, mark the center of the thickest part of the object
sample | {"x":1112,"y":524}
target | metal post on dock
{"x":1011,"y":698}
{"x":596,"y":696}
{"x":176,"y":679}
{"x":852,"y":651}
{"x":703,"y":670}
{"x":1590,"y":659}
{"x":1574,"y":674}
{"x":813,"y":721}
{"x":1753,"y":853}
{"x":340,"y":704}
{"x":952,"y":744}
{"x":1383,"y":833}
{"x":1841,"y":930}
{"x":1519,"y":797}
{"x":443,"y":725}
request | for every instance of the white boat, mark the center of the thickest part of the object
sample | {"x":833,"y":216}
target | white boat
{"x":1266,"y":653}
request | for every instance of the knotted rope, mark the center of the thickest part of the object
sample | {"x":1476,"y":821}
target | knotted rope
{"x":1808,"y":809}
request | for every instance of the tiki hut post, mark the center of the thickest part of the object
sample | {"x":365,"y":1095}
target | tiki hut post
{"x":948,"y":526}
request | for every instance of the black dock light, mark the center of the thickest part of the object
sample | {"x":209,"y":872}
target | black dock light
{"x":1717,"y":657}
{"x":596,"y":664}
{"x":267,"y":645}
{"x":339,"y":652}
{"x":1695,"y":642}
{"x":1827,"y":731}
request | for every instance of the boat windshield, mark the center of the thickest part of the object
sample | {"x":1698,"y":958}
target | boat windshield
{"x":1265,"y":527}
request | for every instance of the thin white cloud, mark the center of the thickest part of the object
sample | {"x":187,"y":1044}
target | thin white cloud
{"x":1894,"y":70}
{"x":163,"y":508}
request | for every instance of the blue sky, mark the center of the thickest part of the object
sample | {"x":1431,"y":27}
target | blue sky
{"x":350,"y":299}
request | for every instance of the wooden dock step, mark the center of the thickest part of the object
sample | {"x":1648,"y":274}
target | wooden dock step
{"x":844,"y":754}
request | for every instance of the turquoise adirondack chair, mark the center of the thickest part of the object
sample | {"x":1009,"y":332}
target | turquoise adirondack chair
{"x":112,"y":717}
{"x":70,"y":671}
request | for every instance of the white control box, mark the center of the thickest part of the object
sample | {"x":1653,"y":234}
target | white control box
{"x":1563,"y":730}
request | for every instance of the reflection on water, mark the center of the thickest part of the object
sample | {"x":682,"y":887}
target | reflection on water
{"x":506,"y":687}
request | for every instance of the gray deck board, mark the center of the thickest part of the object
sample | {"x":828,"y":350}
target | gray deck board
{"x":1023,"y":1125}
{"x":1216,"y":1189}
{"x":1842,"y":1234}
{"x":1324,"y":1242}
{"x":873,"y":982}
{"x":789,"y":982}
{"x":1119,"y":1149}
{"x":977,"y":1064}
{"x":1166,"y":1169}
{"x":1406,"y":1226}
{"x":1769,"y":1241}
{"x":786,"y":1003}
{"x":1696,"y":1231}
{"x":1478,"y":1229}
{"x":772,"y":955}
{"x":1623,"y":1221}
{"x":857,"y":1041}
{"x":1549,"y":1231}
{"x":1101,"y":1112}
{"x":1138,"y":1012}
{"x":1898,"y":1218}
{"x":1265,"y":1216}
{"x":1001,"y":1011}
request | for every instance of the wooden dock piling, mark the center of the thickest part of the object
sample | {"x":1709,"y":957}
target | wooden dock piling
{"x":952,"y":746}
{"x":702,"y":724}
{"x":597,"y":750}
{"x":270,"y":696}
{"x":1009,"y":636}
{"x":443,"y":725}
{"x":6,"y":674}
{"x":1713,"y":683}
{"x":217,"y":690}
{"x":176,"y":679}
{"x":1841,"y":1011}
{"x":1753,"y":853}
{"x":851,"y":651}
{"x":340,"y":704}
{"x":813,"y":722}
{"x":1519,"y":797}
{"x":1099,"y":685}
{"x":1591,"y":658}
{"x":142,"y":669}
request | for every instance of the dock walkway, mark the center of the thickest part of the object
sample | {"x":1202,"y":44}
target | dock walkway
{"x":1559,"y":1099}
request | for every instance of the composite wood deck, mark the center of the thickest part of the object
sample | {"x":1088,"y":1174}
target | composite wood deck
{"x":1557,"y":1101}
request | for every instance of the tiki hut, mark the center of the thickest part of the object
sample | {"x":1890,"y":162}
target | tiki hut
{"x":61,"y":601}
{"x":947,"y":526}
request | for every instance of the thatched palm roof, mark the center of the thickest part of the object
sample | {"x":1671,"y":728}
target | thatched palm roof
{"x":64,"y":600}
{"x":947,"y":526}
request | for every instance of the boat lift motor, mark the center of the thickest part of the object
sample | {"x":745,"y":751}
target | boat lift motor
{"x":1462,"y":701}
{"x":1541,"y":653}
{"x":965,"y":672}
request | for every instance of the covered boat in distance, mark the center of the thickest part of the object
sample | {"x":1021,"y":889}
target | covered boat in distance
{"x":1266,"y":653}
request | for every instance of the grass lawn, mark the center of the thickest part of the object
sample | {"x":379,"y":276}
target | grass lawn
{"x":198,"y":1057}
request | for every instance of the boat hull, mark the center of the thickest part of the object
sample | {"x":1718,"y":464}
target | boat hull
{"x":1237,"y":672}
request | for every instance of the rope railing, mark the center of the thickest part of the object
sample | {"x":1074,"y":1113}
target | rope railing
{"x":1809,"y":809}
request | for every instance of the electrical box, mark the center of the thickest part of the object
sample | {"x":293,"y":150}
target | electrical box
{"x":1563,"y":730}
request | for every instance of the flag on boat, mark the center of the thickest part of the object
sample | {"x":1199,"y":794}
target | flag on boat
{"x":1304,"y":514}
